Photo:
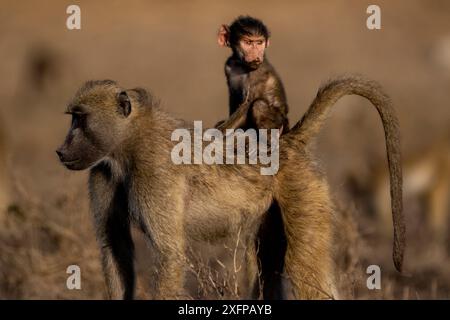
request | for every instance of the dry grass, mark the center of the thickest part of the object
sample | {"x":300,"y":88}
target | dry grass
{"x":37,"y":249}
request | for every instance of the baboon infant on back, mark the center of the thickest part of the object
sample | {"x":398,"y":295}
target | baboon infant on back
{"x":126,"y":141}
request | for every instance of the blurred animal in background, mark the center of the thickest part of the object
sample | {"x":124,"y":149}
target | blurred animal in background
{"x":42,"y":77}
{"x":42,"y":68}
{"x":426,"y":187}
{"x":440,"y":53}
{"x":4,"y":184}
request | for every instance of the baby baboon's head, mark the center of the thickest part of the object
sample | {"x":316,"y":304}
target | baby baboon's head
{"x":101,"y":112}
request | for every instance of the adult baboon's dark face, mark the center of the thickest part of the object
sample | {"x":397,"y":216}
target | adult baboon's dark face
{"x":98,"y":111}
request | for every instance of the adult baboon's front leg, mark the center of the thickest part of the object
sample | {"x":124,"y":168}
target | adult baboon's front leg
{"x":110,"y":209}
{"x":163,"y":227}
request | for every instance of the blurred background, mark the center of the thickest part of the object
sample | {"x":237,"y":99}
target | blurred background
{"x":170,"y":48}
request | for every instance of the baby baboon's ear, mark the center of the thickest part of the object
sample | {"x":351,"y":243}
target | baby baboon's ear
{"x":124,"y":103}
{"x":223,"y":36}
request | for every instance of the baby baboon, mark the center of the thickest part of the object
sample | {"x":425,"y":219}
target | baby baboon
{"x":251,"y":76}
{"x":126,"y":141}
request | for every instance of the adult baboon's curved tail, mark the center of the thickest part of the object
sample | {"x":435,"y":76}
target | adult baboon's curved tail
{"x":311,"y":123}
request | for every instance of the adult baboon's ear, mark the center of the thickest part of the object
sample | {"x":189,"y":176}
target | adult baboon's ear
{"x":124,"y":103}
{"x":223,"y":36}
{"x":142,"y":96}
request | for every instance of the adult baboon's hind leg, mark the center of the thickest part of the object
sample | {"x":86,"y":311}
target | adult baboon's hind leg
{"x":252,"y":272}
{"x":271,"y":252}
{"x":307,"y":215}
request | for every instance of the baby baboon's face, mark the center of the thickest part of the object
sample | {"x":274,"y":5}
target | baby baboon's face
{"x":99,"y":111}
{"x":252,"y":50}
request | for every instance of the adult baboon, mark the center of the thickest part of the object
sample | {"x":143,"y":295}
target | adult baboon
{"x":126,"y":141}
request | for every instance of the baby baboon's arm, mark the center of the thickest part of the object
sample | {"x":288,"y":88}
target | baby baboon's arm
{"x":237,"y":119}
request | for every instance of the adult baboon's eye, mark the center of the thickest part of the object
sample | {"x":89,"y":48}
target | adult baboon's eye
{"x":78,"y":120}
{"x":75,"y":120}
